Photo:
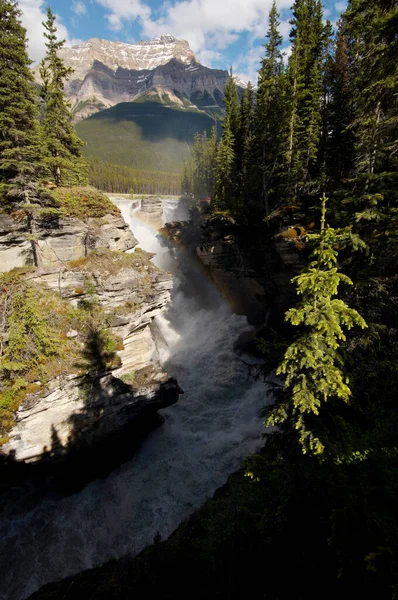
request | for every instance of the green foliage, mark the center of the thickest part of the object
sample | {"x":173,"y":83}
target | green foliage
{"x":312,"y":364}
{"x":267,"y":146}
{"x":83,"y":202}
{"x":21,"y":146}
{"x":104,"y":261}
{"x":199,"y":173}
{"x":64,"y":160}
{"x":304,"y":88}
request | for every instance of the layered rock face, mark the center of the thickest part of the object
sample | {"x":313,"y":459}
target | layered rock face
{"x":107,"y":73}
{"x":71,"y":413}
{"x":62,"y":241}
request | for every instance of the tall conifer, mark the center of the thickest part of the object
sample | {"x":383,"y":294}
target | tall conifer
{"x":305,"y":91}
{"x":228,"y":153}
{"x":269,"y":116}
{"x":370,"y":30}
{"x":21,"y":146}
{"x":312,"y":364}
{"x":65,"y":158}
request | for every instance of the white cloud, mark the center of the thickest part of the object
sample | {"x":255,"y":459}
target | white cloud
{"x":247,"y":65}
{"x":121,"y":11}
{"x":213,"y":25}
{"x":200,"y":20}
{"x":208,"y":25}
{"x":33,"y":14}
{"x":78,"y":7}
{"x":340,"y":6}
{"x":210,"y":58}
{"x":286,"y":54}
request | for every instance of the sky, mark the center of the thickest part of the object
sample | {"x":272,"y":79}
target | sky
{"x":222,"y":33}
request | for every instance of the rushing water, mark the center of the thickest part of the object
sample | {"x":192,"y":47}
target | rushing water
{"x":205,"y":437}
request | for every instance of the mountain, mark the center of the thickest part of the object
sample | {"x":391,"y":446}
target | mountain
{"x":108,"y":73}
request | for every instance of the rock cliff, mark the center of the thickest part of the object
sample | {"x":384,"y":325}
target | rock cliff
{"x":83,"y":259}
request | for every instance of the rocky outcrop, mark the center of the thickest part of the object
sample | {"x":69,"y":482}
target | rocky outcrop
{"x":144,"y":55}
{"x":75,"y":411}
{"x":108,"y":73}
{"x":151,"y":211}
{"x":69,"y":417}
{"x":61,"y":240}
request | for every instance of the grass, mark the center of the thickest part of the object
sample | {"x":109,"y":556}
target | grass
{"x":83,"y":202}
{"x":111,"y":262}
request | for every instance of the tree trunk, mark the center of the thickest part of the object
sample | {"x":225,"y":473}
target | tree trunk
{"x":35,"y":244}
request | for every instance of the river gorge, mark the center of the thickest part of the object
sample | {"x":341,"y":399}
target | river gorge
{"x":205,"y":436}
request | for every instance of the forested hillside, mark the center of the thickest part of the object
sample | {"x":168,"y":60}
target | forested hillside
{"x":148,"y":139}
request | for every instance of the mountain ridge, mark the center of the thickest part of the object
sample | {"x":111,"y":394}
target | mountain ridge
{"x":106,"y":73}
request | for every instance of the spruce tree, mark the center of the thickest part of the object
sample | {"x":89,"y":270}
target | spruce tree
{"x":231,"y":103}
{"x":224,"y":190}
{"x":304,"y":90}
{"x":247,"y":137}
{"x":65,"y":160}
{"x":313,"y":365}
{"x":269,"y":117}
{"x":370,"y":30}
{"x":340,"y":150}
{"x":21,"y":145}
{"x":228,"y":153}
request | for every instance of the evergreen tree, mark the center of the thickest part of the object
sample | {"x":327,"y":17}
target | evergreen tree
{"x":327,"y":66}
{"x":187,"y":178}
{"x":232,"y":108}
{"x":313,"y":364}
{"x":370,"y":31}
{"x":340,"y":150}
{"x":21,"y":154}
{"x":65,"y":159}
{"x":305,"y":91}
{"x":247,"y":137}
{"x":224,"y":189}
{"x":228,"y":154}
{"x":269,"y":118}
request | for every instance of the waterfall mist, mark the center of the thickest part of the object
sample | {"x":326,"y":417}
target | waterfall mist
{"x":205,"y":437}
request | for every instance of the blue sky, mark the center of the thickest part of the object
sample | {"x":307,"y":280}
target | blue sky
{"x":221,"y":32}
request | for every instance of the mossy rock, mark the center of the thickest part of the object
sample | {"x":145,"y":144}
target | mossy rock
{"x":83,"y":202}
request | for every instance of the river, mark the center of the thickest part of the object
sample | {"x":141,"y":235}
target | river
{"x":205,"y":437}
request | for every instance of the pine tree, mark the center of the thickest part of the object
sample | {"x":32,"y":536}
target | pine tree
{"x":313,"y":365}
{"x":247,"y":137}
{"x":326,"y":126}
{"x":224,"y":189}
{"x":304,"y":79}
{"x":370,"y":30}
{"x":269,"y":118}
{"x":228,"y":154}
{"x":340,"y":150}
{"x":21,"y":154}
{"x":187,"y":178}
{"x":65,"y":158}
{"x":232,"y":108}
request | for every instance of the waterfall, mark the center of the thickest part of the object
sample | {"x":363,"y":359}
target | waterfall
{"x":205,"y":437}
